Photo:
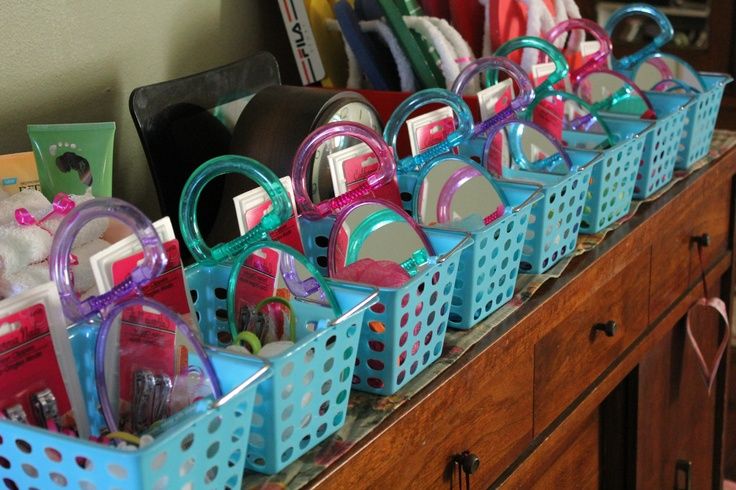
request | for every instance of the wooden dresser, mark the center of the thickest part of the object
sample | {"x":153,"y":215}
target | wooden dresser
{"x":591,"y":384}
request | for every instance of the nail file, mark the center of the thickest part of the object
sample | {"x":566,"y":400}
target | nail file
{"x":301,"y":38}
{"x":329,"y":44}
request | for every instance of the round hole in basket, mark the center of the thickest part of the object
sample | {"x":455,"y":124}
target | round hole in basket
{"x":378,"y":308}
{"x":159,"y":460}
{"x":403,"y":339}
{"x":327,"y":366}
{"x":256,"y":440}
{"x":415,"y":348}
{"x":418,"y":309}
{"x":321,"y":430}
{"x":376,"y":326}
{"x":417,"y":328}
{"x":400,"y":377}
{"x":306,"y":420}
{"x":117,"y":471}
{"x":308,"y":377}
{"x":237,"y":434}
{"x":29,"y":470}
{"x":324,"y":407}
{"x":214,"y":424}
{"x":402,"y":358}
{"x":326,"y":386}
{"x":52,"y":454}
{"x":444,"y":308}
{"x":287,"y":433}
{"x":186,"y":467}
{"x":430,"y":318}
{"x":348,"y":353}
{"x":4,"y":463}
{"x":23,"y":446}
{"x":88,"y":485}
{"x":287,"y":369}
{"x":305,"y":441}
{"x":345,"y":374}
{"x":404,"y":320}
{"x":287,"y":391}
{"x":287,"y":411}
{"x":213,"y":449}
{"x":306,"y":398}
{"x":428,"y":338}
{"x":376,"y":345}
{"x":211,"y":474}
{"x":309,"y":355}
{"x":331,"y":342}
{"x":337,"y":419}
{"x":235,"y":457}
{"x":341,"y":396}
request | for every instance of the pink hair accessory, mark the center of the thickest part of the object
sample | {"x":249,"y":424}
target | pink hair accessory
{"x":61,"y":206}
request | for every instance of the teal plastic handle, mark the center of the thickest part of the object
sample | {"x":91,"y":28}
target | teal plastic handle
{"x":284,"y":249}
{"x":665,"y":35}
{"x":205,"y":173}
{"x":420,"y":99}
{"x":554,"y":54}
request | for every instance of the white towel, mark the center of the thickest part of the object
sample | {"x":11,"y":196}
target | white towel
{"x":35,"y":202}
{"x":21,"y":246}
{"x":27,"y":278}
{"x":84,"y":280}
{"x":406,"y":75}
{"x":448,"y":56}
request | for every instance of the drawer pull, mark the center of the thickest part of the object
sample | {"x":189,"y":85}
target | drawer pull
{"x":683,"y":468}
{"x":702,"y":240}
{"x":465,"y":462}
{"x":609,"y":328}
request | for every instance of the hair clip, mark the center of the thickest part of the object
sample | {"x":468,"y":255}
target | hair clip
{"x":17,"y":414}
{"x":45,"y":407}
{"x":61,"y":206}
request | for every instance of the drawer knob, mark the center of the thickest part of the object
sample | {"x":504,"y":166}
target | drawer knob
{"x":702,"y":240}
{"x":469,"y":462}
{"x":609,"y":328}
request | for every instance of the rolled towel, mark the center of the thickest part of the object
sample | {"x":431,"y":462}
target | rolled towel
{"x":29,"y":277}
{"x":3,"y":194}
{"x":35,"y":202}
{"x":21,"y":246}
{"x":84,"y":280}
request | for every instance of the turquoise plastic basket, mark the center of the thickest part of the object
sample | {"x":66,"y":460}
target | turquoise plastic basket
{"x":404,"y":331}
{"x":612,"y":181}
{"x":488,"y":268}
{"x":701,"y":120}
{"x":202,"y":449}
{"x":306,"y":399}
{"x":555,"y":219}
{"x":661,"y":145}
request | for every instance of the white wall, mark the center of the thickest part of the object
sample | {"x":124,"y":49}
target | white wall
{"x":78,"y":60}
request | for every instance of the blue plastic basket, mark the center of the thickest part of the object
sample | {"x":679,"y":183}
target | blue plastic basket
{"x":612,"y":181}
{"x":404,"y":331}
{"x":701,"y":120}
{"x":202,"y":449}
{"x":488,"y":268}
{"x":661,"y":144}
{"x":554,"y":222}
{"x":306,"y":399}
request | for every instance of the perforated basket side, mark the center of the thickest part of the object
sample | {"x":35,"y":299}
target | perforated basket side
{"x":208,"y":290}
{"x":315,"y":239}
{"x":200,"y":449}
{"x":554,"y":222}
{"x":306,"y":399}
{"x":701,"y":121}
{"x":404,"y":331}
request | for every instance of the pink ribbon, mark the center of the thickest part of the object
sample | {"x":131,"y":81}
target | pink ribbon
{"x":61,"y":206}
{"x":709,"y":372}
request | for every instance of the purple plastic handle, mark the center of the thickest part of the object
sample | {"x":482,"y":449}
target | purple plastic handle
{"x":153,"y":264}
{"x":517,"y":74}
{"x":101,"y":345}
{"x":383,"y":175}
{"x":598,"y":60}
{"x":301,"y":288}
{"x":451,"y":187}
{"x":340,"y":220}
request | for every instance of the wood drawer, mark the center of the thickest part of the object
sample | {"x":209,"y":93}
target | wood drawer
{"x":671,"y":251}
{"x":486,"y":409}
{"x":712,"y":217}
{"x":570,"y":356}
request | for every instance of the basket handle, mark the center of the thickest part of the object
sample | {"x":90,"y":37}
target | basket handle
{"x":665,"y":35}
{"x":390,"y":214}
{"x":154,"y":256}
{"x":204,"y":174}
{"x":453,"y":184}
{"x":101,"y":347}
{"x":329,"y":295}
{"x":561,"y":67}
{"x":597,"y":59}
{"x":383,"y":175}
{"x":420,"y":99}
{"x":517,"y":74}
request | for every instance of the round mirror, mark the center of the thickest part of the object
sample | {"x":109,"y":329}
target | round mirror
{"x":375,"y":242}
{"x":455,"y":194}
{"x":563,"y":112}
{"x":526,"y":146}
{"x":661,"y":67}
{"x":612,"y":92}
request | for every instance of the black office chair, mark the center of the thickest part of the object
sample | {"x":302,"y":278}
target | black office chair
{"x":184,"y":122}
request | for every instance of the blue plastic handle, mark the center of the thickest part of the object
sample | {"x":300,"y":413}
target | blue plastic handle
{"x":665,"y":35}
